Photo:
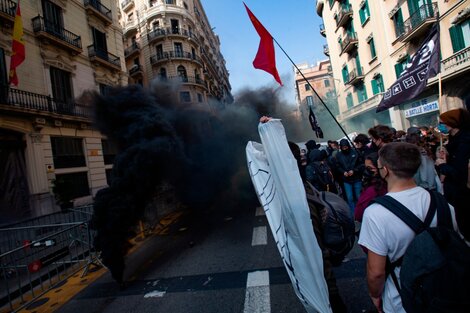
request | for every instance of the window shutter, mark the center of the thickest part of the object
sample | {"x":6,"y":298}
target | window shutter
{"x":456,"y":36}
{"x":375,"y":88}
{"x":372,"y":48}
{"x":362,"y":15}
{"x":345,"y":74}
{"x":398,"y":69}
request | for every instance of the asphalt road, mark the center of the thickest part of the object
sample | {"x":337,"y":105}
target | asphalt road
{"x":212,"y":266}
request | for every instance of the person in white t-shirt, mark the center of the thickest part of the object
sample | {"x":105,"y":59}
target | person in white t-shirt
{"x":384,"y":234}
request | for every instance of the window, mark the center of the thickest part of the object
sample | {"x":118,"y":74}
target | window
{"x":104,"y":89}
{"x":185,"y":5}
{"x":331,"y":3}
{"x":178,"y":49}
{"x":130,"y":17}
{"x":61,"y":85}
{"x":327,"y":82}
{"x":67,"y":152}
{"x":175,"y":28}
{"x":136,"y":61}
{"x":400,"y":66}
{"x":185,"y":96}
{"x":53,"y":18}
{"x":460,"y":36}
{"x":170,"y":1}
{"x":199,"y":97}
{"x":398,"y":23}
{"x":309,"y":100}
{"x":345,"y":73}
{"x":361,"y":93}
{"x":159,"y":49}
{"x":99,"y":43}
{"x":373,"y":54}
{"x":77,"y":183}
{"x":3,"y":77}
{"x":182,"y":73}
{"x":156,"y":25}
{"x":162,"y":73}
{"x":349,"y":100}
{"x":307,"y":87}
{"x":377,"y":84}
{"x":109,"y":151}
{"x":364,"y":13}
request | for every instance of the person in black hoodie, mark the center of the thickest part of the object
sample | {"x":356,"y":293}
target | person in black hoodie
{"x":455,"y":167}
{"x":349,"y":162}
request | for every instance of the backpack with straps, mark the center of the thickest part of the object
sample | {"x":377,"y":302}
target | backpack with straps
{"x":435,"y":269}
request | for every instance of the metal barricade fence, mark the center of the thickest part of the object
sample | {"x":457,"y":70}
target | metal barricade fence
{"x":37,"y":254}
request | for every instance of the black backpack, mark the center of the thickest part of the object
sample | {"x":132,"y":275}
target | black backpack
{"x":338,"y":227}
{"x":435,"y":269}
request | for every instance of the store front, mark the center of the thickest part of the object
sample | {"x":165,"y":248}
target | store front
{"x":365,"y":120}
{"x":422,"y":112}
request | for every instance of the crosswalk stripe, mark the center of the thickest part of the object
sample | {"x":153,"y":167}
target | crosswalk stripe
{"x":260,"y":236}
{"x":257,"y":294}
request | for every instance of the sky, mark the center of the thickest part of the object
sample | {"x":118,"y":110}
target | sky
{"x":295,"y":27}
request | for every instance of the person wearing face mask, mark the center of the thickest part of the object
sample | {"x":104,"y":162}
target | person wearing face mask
{"x":454,"y":166}
{"x":349,"y":163}
{"x":373,"y":186}
{"x":380,"y":135}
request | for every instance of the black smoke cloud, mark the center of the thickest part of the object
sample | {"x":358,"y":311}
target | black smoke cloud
{"x":199,"y":151}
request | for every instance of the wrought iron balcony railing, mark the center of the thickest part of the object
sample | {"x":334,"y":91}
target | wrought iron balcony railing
{"x":33,"y":102}
{"x":343,"y":15}
{"x":356,"y":75}
{"x":425,"y":13}
{"x":174,"y":55}
{"x":189,"y":80}
{"x":8,"y":8}
{"x":160,"y":32}
{"x":134,"y":47}
{"x":99,"y":7}
{"x":96,"y":52}
{"x":322,"y":30}
{"x":136,"y":68}
{"x":326,"y":50}
{"x":348,"y":42}
{"x":40,"y":24}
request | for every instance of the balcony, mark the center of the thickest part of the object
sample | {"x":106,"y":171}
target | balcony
{"x":101,"y":57}
{"x":56,"y":35}
{"x":20,"y":101}
{"x":166,"y":56}
{"x":126,"y":5}
{"x":356,"y":76}
{"x":362,"y":107}
{"x":172,"y":32}
{"x":94,"y":7}
{"x":136,"y":70}
{"x":419,"y":22}
{"x":132,"y":50}
{"x":326,"y":50}
{"x":343,"y":15}
{"x":189,"y":80}
{"x":322,"y":30}
{"x":7,"y":11}
{"x":456,"y":64}
{"x":348,"y":43}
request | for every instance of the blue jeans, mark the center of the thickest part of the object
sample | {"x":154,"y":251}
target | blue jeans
{"x":349,"y":188}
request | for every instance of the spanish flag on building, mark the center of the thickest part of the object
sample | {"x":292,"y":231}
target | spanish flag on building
{"x":17,"y":49}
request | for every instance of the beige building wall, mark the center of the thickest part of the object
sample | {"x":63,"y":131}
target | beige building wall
{"x":393,"y":47}
{"x":32,"y":113}
{"x":147,"y":25}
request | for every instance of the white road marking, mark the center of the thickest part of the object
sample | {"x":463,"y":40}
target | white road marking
{"x":257,"y":295}
{"x":260,"y":236}
{"x":260,"y":211}
{"x":155,"y":294}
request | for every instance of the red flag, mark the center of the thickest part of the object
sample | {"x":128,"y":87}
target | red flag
{"x":17,"y":49}
{"x":265,"y":58}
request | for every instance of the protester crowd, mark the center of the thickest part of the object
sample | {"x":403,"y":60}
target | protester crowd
{"x":384,"y":173}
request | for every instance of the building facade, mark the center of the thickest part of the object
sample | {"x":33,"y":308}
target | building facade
{"x":171,"y":41}
{"x":320,"y":77}
{"x":369,"y":44}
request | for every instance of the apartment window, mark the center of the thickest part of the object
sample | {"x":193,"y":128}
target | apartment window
{"x":104,"y":89}
{"x":398,"y":23}
{"x":61,"y":84}
{"x":400,"y":66}
{"x":136,"y":61}
{"x":331,"y":3}
{"x":99,"y":43}
{"x":349,"y":100}
{"x":159,"y":49}
{"x":175,"y":26}
{"x":345,"y":74}
{"x":53,"y":18}
{"x":185,"y":5}
{"x":377,"y":84}
{"x":327,"y":82}
{"x":361,"y":93}
{"x":199,"y":97}
{"x":309,"y":100}
{"x":109,"y":151}
{"x":460,"y":36}
{"x":130,"y":17}
{"x":185,"y":96}
{"x":162,"y":73}
{"x":178,"y":49}
{"x":77,"y":183}
{"x":170,"y":1}
{"x":182,"y":74}
{"x":67,"y":152}
{"x":155,"y":25}
{"x":373,"y":54}
{"x":307,"y":87}
{"x":364,"y":13}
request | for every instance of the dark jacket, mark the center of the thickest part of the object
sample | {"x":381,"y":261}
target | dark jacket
{"x":318,"y":172}
{"x":350,"y":161}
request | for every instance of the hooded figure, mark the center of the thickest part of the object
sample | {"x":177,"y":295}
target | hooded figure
{"x":455,"y":167}
{"x":350,"y":164}
{"x":318,"y":172}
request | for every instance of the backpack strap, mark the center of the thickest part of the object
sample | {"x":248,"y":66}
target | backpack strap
{"x":444,"y":217}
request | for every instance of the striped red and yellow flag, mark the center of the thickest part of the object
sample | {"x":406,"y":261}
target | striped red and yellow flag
{"x":17,"y":49}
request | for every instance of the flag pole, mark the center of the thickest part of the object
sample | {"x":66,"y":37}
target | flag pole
{"x":321,"y":100}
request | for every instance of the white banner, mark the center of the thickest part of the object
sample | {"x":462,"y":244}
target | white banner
{"x":280,"y":190}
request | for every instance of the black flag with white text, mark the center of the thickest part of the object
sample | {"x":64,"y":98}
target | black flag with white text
{"x":423,"y":64}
